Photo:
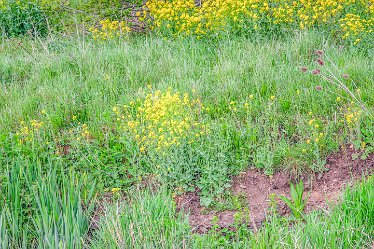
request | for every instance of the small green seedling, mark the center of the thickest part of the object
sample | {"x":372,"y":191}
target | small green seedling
{"x":296,"y":203}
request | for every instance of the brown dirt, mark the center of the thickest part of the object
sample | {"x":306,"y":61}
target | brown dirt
{"x":323,"y":188}
{"x":63,"y":149}
{"x":136,"y":25}
{"x":100,"y":209}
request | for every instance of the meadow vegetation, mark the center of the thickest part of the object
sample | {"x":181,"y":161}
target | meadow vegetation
{"x":88,"y":107}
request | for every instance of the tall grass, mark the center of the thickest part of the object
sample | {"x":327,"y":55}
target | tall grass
{"x":43,"y":210}
{"x":65,"y":77}
{"x":148,"y":220}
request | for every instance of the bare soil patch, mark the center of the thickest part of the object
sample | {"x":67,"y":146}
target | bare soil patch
{"x":324,"y":189}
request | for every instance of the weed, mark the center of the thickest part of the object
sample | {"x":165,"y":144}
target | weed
{"x":296,"y":203}
{"x":18,"y":18}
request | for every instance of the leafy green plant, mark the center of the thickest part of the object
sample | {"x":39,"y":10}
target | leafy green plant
{"x":296,"y":203}
{"x":19,"y":18}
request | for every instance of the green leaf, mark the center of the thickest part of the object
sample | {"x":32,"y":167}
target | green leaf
{"x":205,"y":201}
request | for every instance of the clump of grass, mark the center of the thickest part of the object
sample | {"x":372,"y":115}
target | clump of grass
{"x":44,"y":210}
{"x":148,"y":220}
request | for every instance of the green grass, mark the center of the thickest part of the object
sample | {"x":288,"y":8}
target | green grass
{"x":78,"y":77}
{"x":43,"y":210}
{"x":148,"y":220}
{"x":49,"y":176}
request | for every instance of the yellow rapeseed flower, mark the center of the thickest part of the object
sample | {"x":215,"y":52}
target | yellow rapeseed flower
{"x":162,"y":119}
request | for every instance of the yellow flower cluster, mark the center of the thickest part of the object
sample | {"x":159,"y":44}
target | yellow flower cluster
{"x":162,"y":120}
{"x":109,"y":30}
{"x":27,"y":130}
{"x":316,"y":132}
{"x":211,"y":16}
{"x":116,"y":192}
{"x":238,"y":107}
{"x":311,"y":13}
{"x":79,"y":132}
{"x":85,"y":133}
{"x":355,"y":27}
{"x":352,"y":117}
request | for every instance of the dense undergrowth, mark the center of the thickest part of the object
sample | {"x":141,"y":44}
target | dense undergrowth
{"x":103,"y":116}
{"x":209,"y":91}
{"x":184,"y":113}
{"x":41,"y":17}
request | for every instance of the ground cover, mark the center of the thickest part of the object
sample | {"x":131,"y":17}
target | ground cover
{"x":187,"y":137}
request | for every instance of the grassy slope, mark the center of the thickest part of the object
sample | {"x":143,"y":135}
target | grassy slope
{"x":71,"y":73}
{"x":66,"y":77}
{"x":69,"y":77}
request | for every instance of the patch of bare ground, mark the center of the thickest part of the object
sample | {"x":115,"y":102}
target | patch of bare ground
{"x":104,"y":201}
{"x":323,"y":188}
{"x":135,"y":24}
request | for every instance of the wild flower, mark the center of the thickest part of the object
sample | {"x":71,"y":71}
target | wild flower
{"x":109,"y":29}
{"x":85,"y":133}
{"x":319,"y":88}
{"x":316,"y":71}
{"x":352,"y":18}
{"x":115,"y":190}
{"x":320,"y":62}
{"x":304,"y":69}
{"x":162,"y":119}
{"x":330,"y":74}
{"x":319,"y":52}
{"x":352,"y":116}
{"x":355,"y":27}
{"x":28,"y":130}
{"x":345,"y":76}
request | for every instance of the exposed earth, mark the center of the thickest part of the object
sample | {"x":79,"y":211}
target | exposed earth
{"x":256,"y":187}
